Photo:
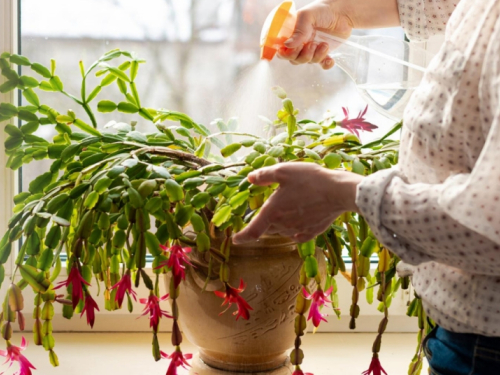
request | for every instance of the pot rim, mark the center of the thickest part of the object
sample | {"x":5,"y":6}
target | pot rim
{"x":268,"y":244}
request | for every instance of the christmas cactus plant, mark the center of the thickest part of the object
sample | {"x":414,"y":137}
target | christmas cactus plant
{"x":116,"y":197}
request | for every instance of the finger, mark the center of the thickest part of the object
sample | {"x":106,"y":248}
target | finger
{"x":303,"y":237}
{"x":273,"y":229}
{"x":304,"y":30}
{"x":288,"y":232}
{"x":321,"y":53}
{"x":307,"y":234}
{"x":281,"y":230}
{"x":267,"y":176}
{"x":289,"y":53}
{"x":256,"y":228}
{"x":322,"y":227}
{"x":307,"y":53}
{"x":327,"y":63}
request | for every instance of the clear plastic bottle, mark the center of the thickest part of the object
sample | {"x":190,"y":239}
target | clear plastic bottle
{"x":385,"y":70}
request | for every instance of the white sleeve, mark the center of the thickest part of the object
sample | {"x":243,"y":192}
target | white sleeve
{"x":456,"y":222}
{"x":413,"y":221}
{"x":422,"y":19}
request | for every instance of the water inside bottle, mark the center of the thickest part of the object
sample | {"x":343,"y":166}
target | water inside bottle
{"x":388,"y":98}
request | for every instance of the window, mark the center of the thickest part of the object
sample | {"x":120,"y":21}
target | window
{"x":202,"y":59}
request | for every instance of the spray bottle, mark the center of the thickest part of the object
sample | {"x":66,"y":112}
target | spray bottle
{"x":385,"y":70}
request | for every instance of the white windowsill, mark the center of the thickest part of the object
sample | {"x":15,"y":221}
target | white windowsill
{"x":130,"y":354}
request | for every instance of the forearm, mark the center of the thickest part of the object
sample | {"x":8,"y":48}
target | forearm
{"x":369,"y":14}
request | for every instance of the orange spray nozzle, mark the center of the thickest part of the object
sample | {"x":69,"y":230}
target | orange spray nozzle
{"x":278,"y":27}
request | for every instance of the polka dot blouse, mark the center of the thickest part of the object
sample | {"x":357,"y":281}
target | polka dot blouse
{"x":439,"y":210}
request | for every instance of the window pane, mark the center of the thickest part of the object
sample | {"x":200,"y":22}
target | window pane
{"x":202,"y":59}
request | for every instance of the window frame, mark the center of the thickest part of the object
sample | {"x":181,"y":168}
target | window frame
{"x":8,"y":178}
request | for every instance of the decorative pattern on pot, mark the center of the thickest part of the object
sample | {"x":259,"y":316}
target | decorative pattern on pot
{"x":270,"y":268}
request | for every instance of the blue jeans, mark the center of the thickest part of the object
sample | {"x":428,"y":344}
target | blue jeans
{"x":452,"y":353}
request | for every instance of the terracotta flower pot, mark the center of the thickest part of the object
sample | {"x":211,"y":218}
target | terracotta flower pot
{"x":270,"y":267}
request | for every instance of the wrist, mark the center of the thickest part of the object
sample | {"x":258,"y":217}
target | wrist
{"x":343,"y":190}
{"x":368,"y":14}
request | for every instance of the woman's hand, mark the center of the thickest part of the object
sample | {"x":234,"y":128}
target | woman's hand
{"x":306,"y":203}
{"x":336,"y":17}
{"x":321,"y":15}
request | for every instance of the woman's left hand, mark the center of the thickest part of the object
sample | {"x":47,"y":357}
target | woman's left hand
{"x":306,"y":203}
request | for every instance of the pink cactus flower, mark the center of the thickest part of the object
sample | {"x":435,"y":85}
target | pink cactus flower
{"x":124,"y":286}
{"x":232,"y":295}
{"x":77,"y":281}
{"x":375,"y":367}
{"x":298,"y":371}
{"x":177,"y":262}
{"x":318,"y":300}
{"x":153,"y":309}
{"x":358,"y":123}
{"x":13,"y":354}
{"x":177,"y":359}
{"x":89,"y":308}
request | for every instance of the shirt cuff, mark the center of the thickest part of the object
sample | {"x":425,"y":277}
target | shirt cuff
{"x":422,"y":19}
{"x":413,"y":19}
{"x":370,"y":199}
